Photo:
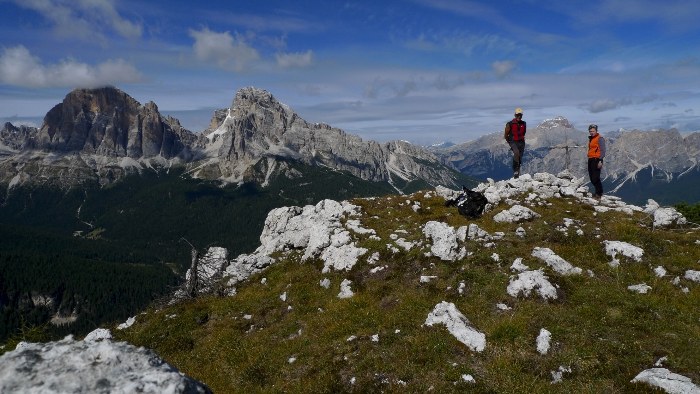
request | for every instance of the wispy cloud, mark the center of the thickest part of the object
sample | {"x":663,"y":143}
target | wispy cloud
{"x":19,"y":67}
{"x":395,"y":88}
{"x":259,"y":23}
{"x":301,"y":59}
{"x":466,"y":8}
{"x":608,"y":104}
{"x":503,"y":68}
{"x":672,"y":15}
{"x":84,"y":19}
{"x":223,"y":49}
{"x":461,"y":43}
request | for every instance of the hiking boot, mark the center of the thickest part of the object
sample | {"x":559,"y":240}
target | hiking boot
{"x":516,"y":174}
{"x":597,"y":196}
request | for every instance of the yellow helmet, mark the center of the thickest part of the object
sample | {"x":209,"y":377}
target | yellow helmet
{"x":519,"y":111}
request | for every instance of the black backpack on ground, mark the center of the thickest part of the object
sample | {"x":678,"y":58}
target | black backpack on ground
{"x":469,"y":203}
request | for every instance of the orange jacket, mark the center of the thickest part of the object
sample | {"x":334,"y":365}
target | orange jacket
{"x":596,"y":147}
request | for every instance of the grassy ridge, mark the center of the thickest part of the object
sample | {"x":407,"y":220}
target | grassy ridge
{"x":606,"y":334}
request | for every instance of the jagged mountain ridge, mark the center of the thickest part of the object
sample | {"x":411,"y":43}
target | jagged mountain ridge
{"x":667,"y":154}
{"x":99,"y":135}
{"x":258,"y":126}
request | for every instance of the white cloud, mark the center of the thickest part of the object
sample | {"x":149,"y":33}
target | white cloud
{"x":104,"y":9}
{"x":20,"y":68}
{"x":396,"y":88}
{"x":445,"y":82}
{"x":679,"y":14}
{"x":467,"y":44}
{"x":223,"y":49}
{"x":86,"y":19}
{"x":608,"y":104}
{"x":301,"y":59}
{"x":502,"y":69}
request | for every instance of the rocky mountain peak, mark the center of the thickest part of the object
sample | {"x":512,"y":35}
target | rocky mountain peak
{"x":90,"y":134}
{"x":558,"y":121}
{"x":257,"y":127}
{"x":151,"y":107}
{"x":100,"y":100}
{"x":16,"y":138}
{"x":108,"y":122}
{"x":9,"y":127}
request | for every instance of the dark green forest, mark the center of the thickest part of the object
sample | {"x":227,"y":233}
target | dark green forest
{"x":105,"y":253}
{"x":691,"y":212}
{"x":655,"y":185}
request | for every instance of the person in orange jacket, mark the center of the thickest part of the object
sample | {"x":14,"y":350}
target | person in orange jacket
{"x":514,"y":134}
{"x":596,"y":153}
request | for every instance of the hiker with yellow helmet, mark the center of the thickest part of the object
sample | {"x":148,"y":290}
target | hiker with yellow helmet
{"x":514,"y":134}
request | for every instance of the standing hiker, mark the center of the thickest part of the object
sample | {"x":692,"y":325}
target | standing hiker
{"x":596,"y":153}
{"x":515,"y":136}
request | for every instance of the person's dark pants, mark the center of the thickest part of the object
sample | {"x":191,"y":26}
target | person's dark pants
{"x":594,"y":174}
{"x":518,"y":148}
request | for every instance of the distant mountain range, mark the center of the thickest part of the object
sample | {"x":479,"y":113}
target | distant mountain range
{"x":663,"y":164}
{"x":100,"y":135}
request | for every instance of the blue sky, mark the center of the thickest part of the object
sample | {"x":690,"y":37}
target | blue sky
{"x":418,"y":70}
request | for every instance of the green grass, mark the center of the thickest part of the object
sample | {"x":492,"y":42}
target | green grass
{"x":605,"y":333}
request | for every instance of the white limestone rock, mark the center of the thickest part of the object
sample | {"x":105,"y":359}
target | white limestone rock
{"x":660,"y":272}
{"x":244,"y":266}
{"x":518,"y":265}
{"x":663,"y":217}
{"x":98,"y":335}
{"x":516,"y":214}
{"x":444,"y":240}
{"x":613,"y":248}
{"x":128,"y":323}
{"x":210,"y":268}
{"x":543,"y":341}
{"x":446,"y":193}
{"x":692,"y":275}
{"x":70,"y":366}
{"x":345,"y":290}
{"x":641,"y":288}
{"x":664,"y":379}
{"x":558,"y":264}
{"x":457,"y":324}
{"x":316,"y":230}
{"x":529,"y":281}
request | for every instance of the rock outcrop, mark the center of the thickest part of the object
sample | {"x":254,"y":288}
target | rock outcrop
{"x":96,"y":364}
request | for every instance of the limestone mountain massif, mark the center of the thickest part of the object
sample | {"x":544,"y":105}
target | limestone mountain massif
{"x":235,"y":144}
{"x":100,"y":135}
{"x":94,"y":135}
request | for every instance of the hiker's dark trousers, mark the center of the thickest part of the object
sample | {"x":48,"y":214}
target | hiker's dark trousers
{"x":594,"y":174}
{"x":518,"y":148}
